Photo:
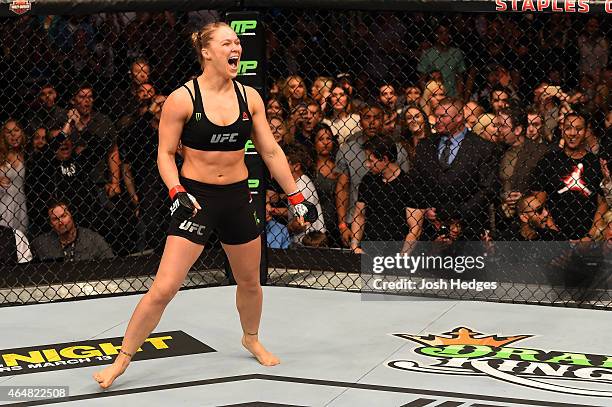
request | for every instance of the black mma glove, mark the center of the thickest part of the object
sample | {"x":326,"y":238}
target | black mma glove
{"x":303,"y":207}
{"x":182,"y":200}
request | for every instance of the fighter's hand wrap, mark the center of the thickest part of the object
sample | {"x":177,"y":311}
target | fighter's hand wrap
{"x":303,"y":207}
{"x":181,"y":199}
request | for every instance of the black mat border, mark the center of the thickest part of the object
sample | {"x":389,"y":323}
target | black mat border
{"x":301,"y":380}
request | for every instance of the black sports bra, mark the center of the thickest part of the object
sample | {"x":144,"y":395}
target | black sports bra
{"x":200,"y":133}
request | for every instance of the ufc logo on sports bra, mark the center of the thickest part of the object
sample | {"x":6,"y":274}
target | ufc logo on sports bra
{"x":222,"y":138}
{"x":191,"y":227}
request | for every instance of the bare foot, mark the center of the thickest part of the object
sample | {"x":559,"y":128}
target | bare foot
{"x":252,"y":344}
{"x":107,"y":376}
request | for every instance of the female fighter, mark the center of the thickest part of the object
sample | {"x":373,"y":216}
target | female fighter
{"x":212,"y":117}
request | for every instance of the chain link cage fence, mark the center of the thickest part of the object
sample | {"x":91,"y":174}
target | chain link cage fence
{"x":448,"y":133}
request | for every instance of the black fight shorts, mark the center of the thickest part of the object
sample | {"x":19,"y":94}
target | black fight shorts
{"x":228,"y":209}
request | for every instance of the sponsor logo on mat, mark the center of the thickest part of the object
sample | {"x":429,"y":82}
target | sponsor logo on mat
{"x":94,"y":352}
{"x":464,"y":352}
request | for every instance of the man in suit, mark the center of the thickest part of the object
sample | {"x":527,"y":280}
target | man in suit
{"x":453,"y":177}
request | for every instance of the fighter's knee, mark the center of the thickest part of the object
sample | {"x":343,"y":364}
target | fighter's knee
{"x":249,"y":283}
{"x":161,"y":295}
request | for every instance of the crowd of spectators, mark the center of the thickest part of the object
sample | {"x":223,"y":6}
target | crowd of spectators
{"x":397,"y":127}
{"x":483,"y":127}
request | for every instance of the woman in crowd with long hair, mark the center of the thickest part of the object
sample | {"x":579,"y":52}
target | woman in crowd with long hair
{"x":341,"y":119}
{"x":294,"y":91}
{"x":325,"y":179}
{"x":415,"y":128}
{"x":13,"y":205}
{"x":433,"y":92}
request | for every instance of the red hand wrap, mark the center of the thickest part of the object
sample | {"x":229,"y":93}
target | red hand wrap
{"x":175,"y":190}
{"x":295,"y":198}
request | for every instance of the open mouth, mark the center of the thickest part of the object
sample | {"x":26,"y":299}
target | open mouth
{"x":233,"y":62}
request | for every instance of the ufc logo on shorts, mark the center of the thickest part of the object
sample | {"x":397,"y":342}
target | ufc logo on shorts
{"x":221,"y":138}
{"x":191,"y":227}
